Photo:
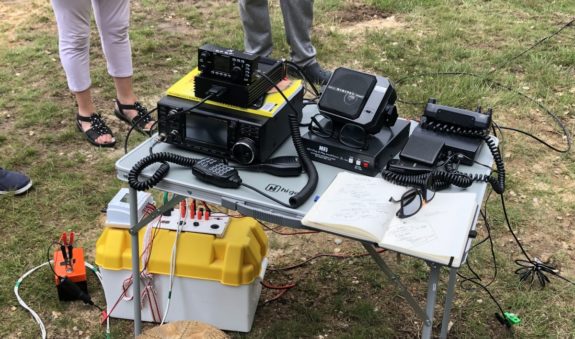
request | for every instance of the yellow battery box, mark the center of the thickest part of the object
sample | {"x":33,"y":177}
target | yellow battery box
{"x":216,"y":280}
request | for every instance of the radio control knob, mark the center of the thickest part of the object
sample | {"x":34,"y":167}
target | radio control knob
{"x":236,"y":73}
{"x":244,"y":151}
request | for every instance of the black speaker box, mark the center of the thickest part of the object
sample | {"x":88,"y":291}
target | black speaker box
{"x":360,"y":98}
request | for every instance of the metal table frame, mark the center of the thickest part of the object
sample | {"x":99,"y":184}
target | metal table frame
{"x":426,"y":315}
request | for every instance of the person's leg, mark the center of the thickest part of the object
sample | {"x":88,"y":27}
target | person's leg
{"x":73,"y":21}
{"x":257,"y":27}
{"x":113,"y":20}
{"x":298,"y":20}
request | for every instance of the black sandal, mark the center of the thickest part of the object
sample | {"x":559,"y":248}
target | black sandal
{"x":98,"y":129}
{"x":140,"y":121}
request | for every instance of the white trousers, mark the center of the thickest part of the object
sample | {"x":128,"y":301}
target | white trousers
{"x":73,"y":19}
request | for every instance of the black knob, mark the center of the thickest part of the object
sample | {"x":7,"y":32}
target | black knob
{"x":244,"y":151}
{"x":237,"y":73}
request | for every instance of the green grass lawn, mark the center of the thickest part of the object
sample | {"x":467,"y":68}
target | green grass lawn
{"x":407,"y":41}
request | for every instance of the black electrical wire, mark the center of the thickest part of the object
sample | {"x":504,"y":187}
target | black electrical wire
{"x":173,"y":115}
{"x":492,"y":249}
{"x":301,"y":197}
{"x":531,"y":268}
{"x":161,"y":172}
{"x":302,"y":74}
{"x":134,"y":124}
{"x":494,"y":83}
{"x":84,"y":297}
{"x":517,"y":56}
{"x":474,"y":281}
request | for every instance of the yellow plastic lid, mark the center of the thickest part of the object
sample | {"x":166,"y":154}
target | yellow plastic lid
{"x":184,"y":88}
{"x":234,"y":259}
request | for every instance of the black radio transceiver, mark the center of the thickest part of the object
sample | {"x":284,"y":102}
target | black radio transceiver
{"x":225,"y":132}
{"x":227,"y":64}
{"x":239,"y":73}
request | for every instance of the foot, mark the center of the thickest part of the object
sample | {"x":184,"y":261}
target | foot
{"x":134,"y":112}
{"x":13,"y":182}
{"x":95,"y":130}
{"x":316,"y":74}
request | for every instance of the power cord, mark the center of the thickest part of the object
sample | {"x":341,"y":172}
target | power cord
{"x":301,"y":197}
{"x":35,"y":315}
{"x":215,"y":91}
{"x":531,"y":267}
{"x":134,"y":124}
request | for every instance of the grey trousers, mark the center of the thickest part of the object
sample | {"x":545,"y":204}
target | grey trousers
{"x":298,"y":19}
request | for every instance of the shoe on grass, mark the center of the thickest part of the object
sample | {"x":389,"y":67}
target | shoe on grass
{"x":316,"y":74}
{"x":15,"y":182}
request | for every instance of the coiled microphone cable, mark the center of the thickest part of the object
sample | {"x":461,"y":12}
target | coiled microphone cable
{"x":161,"y":172}
{"x":301,"y":197}
{"x":498,"y":184}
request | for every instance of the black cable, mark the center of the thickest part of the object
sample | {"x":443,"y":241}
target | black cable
{"x":531,"y":268}
{"x":174,"y":114}
{"x":558,"y":121}
{"x":301,"y":197}
{"x":536,"y":138}
{"x":48,"y":258}
{"x":134,"y":124}
{"x":476,"y":279}
{"x":302,"y":74}
{"x":161,"y":172}
{"x":498,"y":184}
{"x":517,"y":56}
{"x":497,"y":84}
{"x":491,"y":246}
{"x":485,"y":289}
{"x":71,"y":286}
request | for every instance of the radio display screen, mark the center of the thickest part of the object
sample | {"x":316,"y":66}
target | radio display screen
{"x":221,"y":63}
{"x":207,"y":130}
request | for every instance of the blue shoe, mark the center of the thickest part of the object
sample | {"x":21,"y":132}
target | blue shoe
{"x":14,"y":182}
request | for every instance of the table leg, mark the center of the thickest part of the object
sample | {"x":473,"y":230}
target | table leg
{"x":395,"y":279}
{"x":448,"y":302}
{"x":135,"y":260}
{"x":431,"y":296}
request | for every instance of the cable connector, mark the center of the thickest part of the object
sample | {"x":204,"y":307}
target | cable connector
{"x":508,"y":319}
{"x":216,"y":91}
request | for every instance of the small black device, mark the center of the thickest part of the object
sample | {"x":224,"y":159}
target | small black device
{"x":217,"y":173}
{"x":281,"y":166}
{"x":381,"y":147}
{"x":360,"y":98}
{"x":227,"y":64}
{"x":238,"y":73}
{"x":444,"y":130}
{"x":224,"y":132}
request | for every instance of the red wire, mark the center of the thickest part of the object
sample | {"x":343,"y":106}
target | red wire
{"x":156,"y":231}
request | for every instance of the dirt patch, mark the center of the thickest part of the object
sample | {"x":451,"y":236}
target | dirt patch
{"x":359,"y":13}
{"x":356,"y":19}
{"x":372,"y":25}
{"x":15,"y":15}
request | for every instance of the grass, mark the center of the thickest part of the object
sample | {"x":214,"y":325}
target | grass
{"x":343,"y":298}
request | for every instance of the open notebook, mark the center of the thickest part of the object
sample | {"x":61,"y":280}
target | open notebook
{"x":358,"y":206}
